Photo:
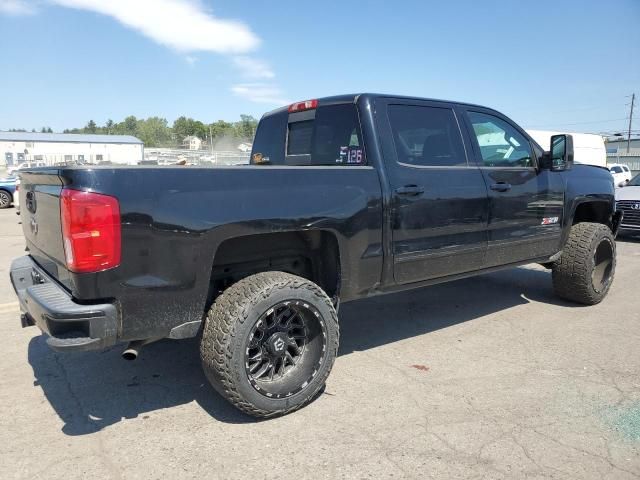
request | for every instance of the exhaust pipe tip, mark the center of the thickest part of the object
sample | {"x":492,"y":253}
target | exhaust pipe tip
{"x":130,"y":354}
{"x":133,"y":349}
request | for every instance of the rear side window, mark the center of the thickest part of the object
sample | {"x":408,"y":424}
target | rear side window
{"x":426,"y":136}
{"x":616,"y":169}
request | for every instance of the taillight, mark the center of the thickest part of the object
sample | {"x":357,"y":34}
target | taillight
{"x":90,"y":230}
{"x":302,"y":106}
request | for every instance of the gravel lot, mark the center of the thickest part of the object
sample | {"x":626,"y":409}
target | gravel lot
{"x":490,"y":377}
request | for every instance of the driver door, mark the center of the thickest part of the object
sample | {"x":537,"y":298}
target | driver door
{"x":526,"y":203}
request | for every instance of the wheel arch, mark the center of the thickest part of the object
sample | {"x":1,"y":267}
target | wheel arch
{"x":312,"y":254}
{"x":593,"y":211}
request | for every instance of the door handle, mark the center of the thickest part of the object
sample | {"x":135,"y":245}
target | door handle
{"x":501,"y":187}
{"x":410,"y":190}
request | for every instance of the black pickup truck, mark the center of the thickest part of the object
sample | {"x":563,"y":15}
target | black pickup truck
{"x":346,"y":197}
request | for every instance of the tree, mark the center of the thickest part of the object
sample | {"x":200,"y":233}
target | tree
{"x":246,"y":127}
{"x":154,"y":132}
{"x":129,"y":126}
{"x":109,"y":126}
{"x":91,"y":127}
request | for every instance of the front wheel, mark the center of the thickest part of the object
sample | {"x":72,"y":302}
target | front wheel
{"x":585,"y":270}
{"x":269,"y":342}
{"x":5,"y":199}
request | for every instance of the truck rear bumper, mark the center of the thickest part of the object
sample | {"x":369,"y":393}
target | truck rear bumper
{"x":71,"y":326}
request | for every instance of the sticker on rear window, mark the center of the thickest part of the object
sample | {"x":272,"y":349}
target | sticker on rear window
{"x":350,"y":155}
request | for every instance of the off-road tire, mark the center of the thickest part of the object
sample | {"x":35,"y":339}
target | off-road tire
{"x":573,"y":271}
{"x":226,"y":333}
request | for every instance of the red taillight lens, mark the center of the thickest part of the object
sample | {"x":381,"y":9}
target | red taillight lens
{"x":90,"y":230}
{"x":302,"y":106}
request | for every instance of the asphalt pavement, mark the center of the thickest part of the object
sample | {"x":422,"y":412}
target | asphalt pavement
{"x":490,"y":377}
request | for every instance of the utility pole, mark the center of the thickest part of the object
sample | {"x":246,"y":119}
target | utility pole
{"x":633,"y":99}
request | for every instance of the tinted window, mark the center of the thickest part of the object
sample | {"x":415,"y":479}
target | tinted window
{"x":269,"y":140}
{"x":300,"y":136}
{"x":329,"y":135}
{"x":333,"y":137}
{"x":616,"y":169}
{"x":426,"y":136}
{"x":501,"y":145}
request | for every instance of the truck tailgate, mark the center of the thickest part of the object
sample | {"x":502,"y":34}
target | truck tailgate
{"x":40,"y":217}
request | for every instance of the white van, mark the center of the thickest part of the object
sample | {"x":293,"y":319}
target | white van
{"x":588,"y":148}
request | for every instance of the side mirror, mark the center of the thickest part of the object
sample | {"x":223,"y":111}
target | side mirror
{"x":561,"y":153}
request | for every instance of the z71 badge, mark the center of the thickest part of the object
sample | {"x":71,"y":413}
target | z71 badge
{"x":550,"y":220}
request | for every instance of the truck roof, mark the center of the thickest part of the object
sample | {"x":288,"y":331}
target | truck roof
{"x":353,"y":97}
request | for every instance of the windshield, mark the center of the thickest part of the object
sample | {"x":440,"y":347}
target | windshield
{"x":635,"y":181}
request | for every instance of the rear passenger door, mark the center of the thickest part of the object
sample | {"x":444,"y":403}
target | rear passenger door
{"x":525,"y":202}
{"x":439,"y":204}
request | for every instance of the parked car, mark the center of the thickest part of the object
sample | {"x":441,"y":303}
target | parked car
{"x":24,"y":166}
{"x":621,"y":174}
{"x":7,"y":191}
{"x":628,"y":201}
{"x":347,"y":197}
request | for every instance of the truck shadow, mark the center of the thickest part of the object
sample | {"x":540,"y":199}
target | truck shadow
{"x":90,"y":391}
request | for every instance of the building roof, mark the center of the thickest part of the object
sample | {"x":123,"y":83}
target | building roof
{"x":66,"y":138}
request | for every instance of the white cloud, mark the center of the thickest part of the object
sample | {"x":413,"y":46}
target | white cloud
{"x":183,"y":25}
{"x":253,"y":68}
{"x":260,"y":93}
{"x":17,"y":7}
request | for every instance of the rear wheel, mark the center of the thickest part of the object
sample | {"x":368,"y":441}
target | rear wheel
{"x":5,"y":199}
{"x":269,"y":343}
{"x":584,"y":273}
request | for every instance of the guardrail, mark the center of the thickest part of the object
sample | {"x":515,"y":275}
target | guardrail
{"x":196,"y":157}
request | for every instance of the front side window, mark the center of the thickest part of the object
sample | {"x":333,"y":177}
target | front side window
{"x":501,"y":145}
{"x":426,"y":136}
{"x":616,"y":169}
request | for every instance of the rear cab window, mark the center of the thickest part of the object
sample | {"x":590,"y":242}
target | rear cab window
{"x":326,"y":135}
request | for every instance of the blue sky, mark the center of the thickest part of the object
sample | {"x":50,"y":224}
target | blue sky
{"x":565,"y":65}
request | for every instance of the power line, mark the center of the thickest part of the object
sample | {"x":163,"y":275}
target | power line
{"x":593,"y":121}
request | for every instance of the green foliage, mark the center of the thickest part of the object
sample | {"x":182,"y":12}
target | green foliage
{"x":156,"y":132}
{"x":91,"y":127}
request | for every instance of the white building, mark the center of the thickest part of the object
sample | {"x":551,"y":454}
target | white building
{"x":58,"y":148}
{"x":192,"y":143}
